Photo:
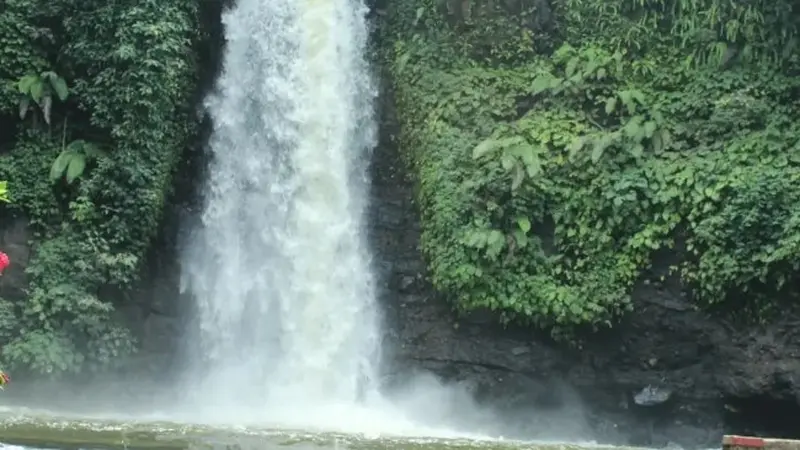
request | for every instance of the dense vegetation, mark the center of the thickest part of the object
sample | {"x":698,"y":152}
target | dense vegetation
{"x":564,"y":151}
{"x":567,"y":151}
{"x":95,"y":112}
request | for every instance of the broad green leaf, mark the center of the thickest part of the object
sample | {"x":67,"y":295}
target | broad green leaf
{"x":37,"y":90}
{"x":575,"y":146}
{"x":507,"y":161}
{"x":402,"y":61}
{"x":496,"y":242}
{"x":541,"y":84}
{"x":46,"y":104}
{"x":24,"y":105}
{"x":60,"y":164}
{"x":666,"y":138}
{"x":627,"y":98}
{"x":475,"y":240}
{"x":523,"y":151}
{"x":591,"y":66}
{"x":517,"y":176}
{"x":611,"y":104}
{"x":638,"y":96}
{"x":4,"y":191}
{"x":25,"y":83}
{"x":484,"y":148}
{"x":572,"y":64}
{"x":597,"y":151}
{"x":533,"y":167}
{"x":60,"y":87}
{"x":633,"y":128}
{"x":524,"y":224}
{"x":529,"y":156}
{"x":420,"y":13}
{"x":637,"y":150}
{"x":496,"y":237}
{"x":658,"y":144}
{"x":649,"y":128}
{"x":75,"y":168}
{"x":520,"y":238}
{"x":511,"y":142}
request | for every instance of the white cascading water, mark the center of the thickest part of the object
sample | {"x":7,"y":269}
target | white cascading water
{"x":279,"y":267}
{"x":288,"y":330}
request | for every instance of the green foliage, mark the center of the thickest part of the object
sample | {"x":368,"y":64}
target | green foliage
{"x":551,"y":183}
{"x":19,"y":53}
{"x":124,"y":74}
{"x":41,"y":89}
{"x":4,"y":192}
{"x":71,"y":162}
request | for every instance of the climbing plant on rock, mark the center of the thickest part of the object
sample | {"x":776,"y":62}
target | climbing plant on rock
{"x":554,"y":176}
{"x":71,"y":162}
{"x":123,"y":75}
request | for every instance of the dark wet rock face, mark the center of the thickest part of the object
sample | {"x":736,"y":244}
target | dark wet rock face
{"x":667,"y":375}
{"x":652,"y":396}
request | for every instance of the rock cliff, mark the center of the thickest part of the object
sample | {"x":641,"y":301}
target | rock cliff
{"x":711,"y":376}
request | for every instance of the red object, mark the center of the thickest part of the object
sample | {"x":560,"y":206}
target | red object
{"x":4,"y":262}
{"x":744,"y":441}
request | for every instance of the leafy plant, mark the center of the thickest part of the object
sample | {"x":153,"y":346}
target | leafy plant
{"x":518,"y":157}
{"x":70,"y":163}
{"x":41,"y":89}
{"x":645,"y":145}
{"x":132,"y":77}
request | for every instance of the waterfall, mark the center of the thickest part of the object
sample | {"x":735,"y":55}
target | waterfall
{"x":279,"y":265}
{"x":287,"y":330}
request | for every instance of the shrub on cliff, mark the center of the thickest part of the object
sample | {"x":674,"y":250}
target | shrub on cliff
{"x":82,"y":79}
{"x":550,"y":181}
